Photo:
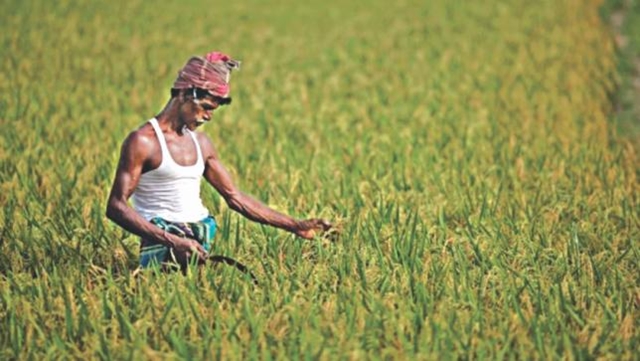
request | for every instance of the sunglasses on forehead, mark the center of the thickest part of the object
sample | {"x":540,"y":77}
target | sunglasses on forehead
{"x":199,"y":94}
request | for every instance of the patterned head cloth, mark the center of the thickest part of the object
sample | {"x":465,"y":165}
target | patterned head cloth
{"x":210,"y":72}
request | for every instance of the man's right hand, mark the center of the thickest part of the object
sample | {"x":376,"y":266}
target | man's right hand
{"x":184,"y":248}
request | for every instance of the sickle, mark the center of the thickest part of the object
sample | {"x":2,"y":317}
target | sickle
{"x":232,"y":262}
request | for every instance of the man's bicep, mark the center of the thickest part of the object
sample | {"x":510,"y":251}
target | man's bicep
{"x":128,"y":171}
{"x":218,"y":176}
{"x":214,"y":172}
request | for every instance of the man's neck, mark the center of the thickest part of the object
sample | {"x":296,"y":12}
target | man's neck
{"x":169,"y":118}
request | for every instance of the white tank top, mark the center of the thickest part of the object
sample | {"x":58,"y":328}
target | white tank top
{"x":171,"y":191}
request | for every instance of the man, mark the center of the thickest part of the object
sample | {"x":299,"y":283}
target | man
{"x":161,"y":165}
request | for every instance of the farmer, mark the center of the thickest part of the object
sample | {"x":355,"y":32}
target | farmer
{"x":161,"y":165}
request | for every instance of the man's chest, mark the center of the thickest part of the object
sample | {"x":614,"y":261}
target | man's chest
{"x":180,"y":149}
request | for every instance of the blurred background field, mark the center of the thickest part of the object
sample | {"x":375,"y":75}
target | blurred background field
{"x":478,"y":158}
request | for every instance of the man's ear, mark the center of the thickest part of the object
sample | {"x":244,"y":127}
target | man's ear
{"x":188,"y":94}
{"x":185,"y":95}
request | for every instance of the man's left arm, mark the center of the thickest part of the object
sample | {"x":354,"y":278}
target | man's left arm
{"x":216,"y":174}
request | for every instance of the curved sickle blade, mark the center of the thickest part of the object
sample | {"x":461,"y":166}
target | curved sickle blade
{"x":232,"y":262}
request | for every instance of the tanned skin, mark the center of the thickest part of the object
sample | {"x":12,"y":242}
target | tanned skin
{"x":141,"y":153}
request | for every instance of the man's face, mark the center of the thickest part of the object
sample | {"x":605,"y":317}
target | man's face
{"x":198,"y":107}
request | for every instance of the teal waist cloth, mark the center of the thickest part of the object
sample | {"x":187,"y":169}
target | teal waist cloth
{"x":156,"y":253}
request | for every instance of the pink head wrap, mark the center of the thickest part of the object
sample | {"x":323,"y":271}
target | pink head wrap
{"x":210,"y":72}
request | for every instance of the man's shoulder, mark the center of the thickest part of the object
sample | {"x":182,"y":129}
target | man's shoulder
{"x":205,"y":144}
{"x":143,"y":138}
{"x":203,"y":139}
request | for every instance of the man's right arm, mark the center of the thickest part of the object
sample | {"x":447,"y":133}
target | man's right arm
{"x":133,"y":154}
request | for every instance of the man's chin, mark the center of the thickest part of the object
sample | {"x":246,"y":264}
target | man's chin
{"x":197,"y":123}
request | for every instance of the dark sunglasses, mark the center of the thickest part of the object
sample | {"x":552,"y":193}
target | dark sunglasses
{"x":200,"y":94}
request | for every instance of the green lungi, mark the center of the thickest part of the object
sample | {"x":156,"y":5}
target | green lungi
{"x":156,"y":253}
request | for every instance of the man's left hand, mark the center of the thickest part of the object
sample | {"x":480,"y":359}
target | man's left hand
{"x":307,"y":229}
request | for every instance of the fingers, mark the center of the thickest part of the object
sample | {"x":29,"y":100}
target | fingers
{"x":308,"y":234}
{"x":199,"y":250}
{"x":310,"y":227}
{"x":329,"y":231}
{"x":190,"y":247}
{"x":325,"y":225}
{"x":321,"y":224}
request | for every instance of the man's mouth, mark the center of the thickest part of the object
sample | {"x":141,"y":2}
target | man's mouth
{"x":203,"y":119}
